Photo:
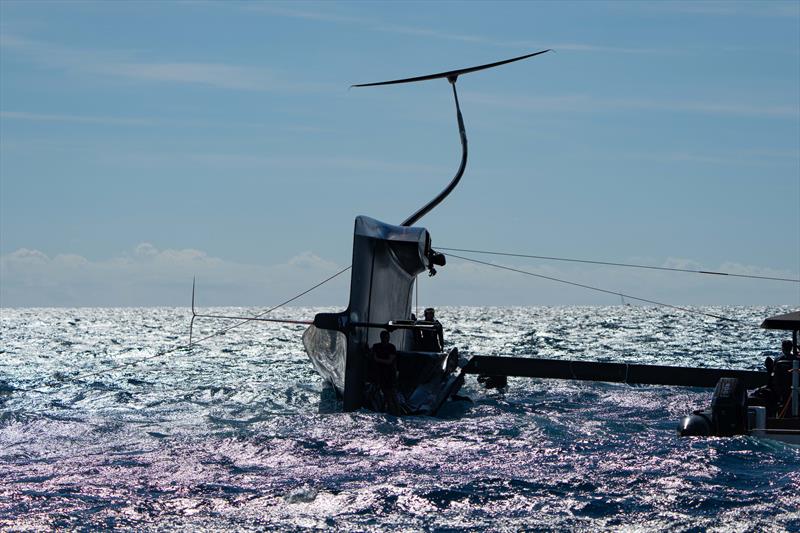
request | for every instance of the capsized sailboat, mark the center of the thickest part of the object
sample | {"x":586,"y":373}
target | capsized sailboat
{"x":386,"y":261}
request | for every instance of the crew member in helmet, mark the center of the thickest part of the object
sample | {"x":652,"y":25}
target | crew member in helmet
{"x":428,"y":340}
{"x":384,"y":354}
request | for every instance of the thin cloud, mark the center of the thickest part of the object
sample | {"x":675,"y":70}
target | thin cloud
{"x":383,"y":27}
{"x":579,"y":47}
{"x":324,"y":16}
{"x":713,"y":8}
{"x":785,"y":9}
{"x":588,"y":104}
{"x":211,"y":74}
{"x":149,"y":121}
{"x":148,"y":275}
{"x":738,"y":157}
{"x":120,"y":64}
{"x":42,"y":117}
{"x":357,"y":165}
{"x":427,"y":32}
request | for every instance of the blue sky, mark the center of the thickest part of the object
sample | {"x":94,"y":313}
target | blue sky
{"x":142,"y":143}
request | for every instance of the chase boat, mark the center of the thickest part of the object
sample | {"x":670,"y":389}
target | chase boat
{"x":770,"y":411}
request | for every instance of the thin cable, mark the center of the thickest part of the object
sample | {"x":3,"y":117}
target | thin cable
{"x":259,"y":319}
{"x":598,"y":289}
{"x":628,"y":265}
{"x":245,"y":320}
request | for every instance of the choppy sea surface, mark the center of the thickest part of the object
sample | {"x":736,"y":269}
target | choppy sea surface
{"x":237,"y":435}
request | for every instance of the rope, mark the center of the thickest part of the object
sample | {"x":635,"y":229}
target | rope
{"x":174,"y":349}
{"x":256,"y":318}
{"x":628,"y":265}
{"x":598,"y":289}
{"x":785,"y":408}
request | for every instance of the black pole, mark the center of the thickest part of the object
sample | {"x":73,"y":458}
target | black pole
{"x":609,"y":372}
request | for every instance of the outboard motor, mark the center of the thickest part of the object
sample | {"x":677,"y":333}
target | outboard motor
{"x":729,"y":408}
{"x":698,"y":424}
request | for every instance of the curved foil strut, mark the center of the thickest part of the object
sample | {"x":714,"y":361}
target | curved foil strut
{"x":422,"y":211}
{"x":452,"y":77}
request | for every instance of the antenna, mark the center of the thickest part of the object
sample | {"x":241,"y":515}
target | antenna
{"x":452,"y":77}
{"x":194,"y":314}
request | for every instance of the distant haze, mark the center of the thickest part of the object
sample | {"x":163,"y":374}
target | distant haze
{"x":142,"y":144}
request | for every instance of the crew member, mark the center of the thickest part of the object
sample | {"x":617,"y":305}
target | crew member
{"x":384,"y":354}
{"x":430,"y":340}
{"x":786,"y":348}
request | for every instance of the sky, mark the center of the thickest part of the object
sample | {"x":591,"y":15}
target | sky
{"x":144,"y":143}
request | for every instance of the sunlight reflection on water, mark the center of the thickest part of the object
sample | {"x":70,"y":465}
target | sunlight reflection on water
{"x":231,"y":435}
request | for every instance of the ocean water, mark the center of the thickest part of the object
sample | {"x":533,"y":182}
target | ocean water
{"x":240,"y":434}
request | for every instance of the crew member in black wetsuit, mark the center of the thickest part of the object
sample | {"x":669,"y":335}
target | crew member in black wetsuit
{"x":779,"y":382}
{"x":384,"y":354}
{"x":786,"y":348}
{"x":430,"y":340}
{"x":781,"y":379}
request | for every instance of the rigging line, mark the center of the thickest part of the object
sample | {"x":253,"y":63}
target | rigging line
{"x":629,"y":265}
{"x":187,"y":347}
{"x":257,"y":319}
{"x":598,"y":289}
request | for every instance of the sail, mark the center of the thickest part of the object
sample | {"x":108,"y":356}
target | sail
{"x":386,"y":260}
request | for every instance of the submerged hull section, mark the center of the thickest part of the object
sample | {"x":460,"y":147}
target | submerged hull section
{"x":327,"y":350}
{"x":386,"y":261}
